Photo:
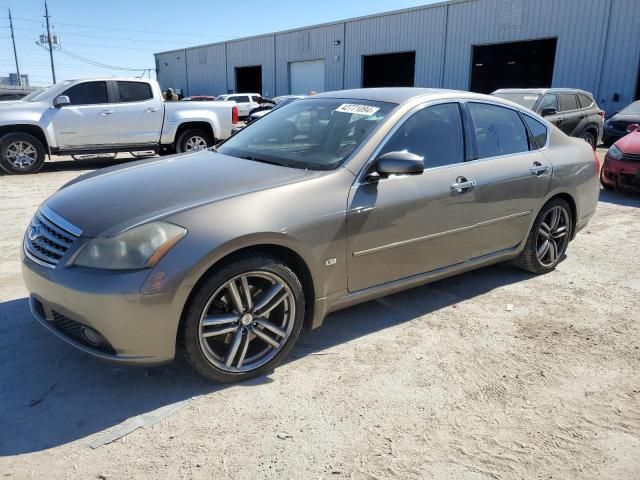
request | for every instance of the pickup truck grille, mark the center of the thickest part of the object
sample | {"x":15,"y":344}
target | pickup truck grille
{"x":46,"y":242}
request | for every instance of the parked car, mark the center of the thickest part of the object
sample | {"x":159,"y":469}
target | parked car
{"x":245,"y":101}
{"x":199,"y":98}
{"x":573,"y":111}
{"x":226,"y":254}
{"x":616,"y":127}
{"x":107,"y":115}
{"x":261,"y":111}
{"x":621,"y":168}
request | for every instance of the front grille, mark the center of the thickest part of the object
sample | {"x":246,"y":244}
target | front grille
{"x":631,"y":157}
{"x":45,"y":241}
{"x":73,"y":329}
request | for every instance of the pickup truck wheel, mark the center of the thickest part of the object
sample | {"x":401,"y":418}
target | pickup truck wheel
{"x":21,"y":153}
{"x":192,"y":140}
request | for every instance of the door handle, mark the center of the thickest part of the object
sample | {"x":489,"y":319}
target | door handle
{"x":538,"y":169}
{"x":106,"y":112}
{"x":559,"y":120}
{"x":462,"y":185}
{"x":151,"y":110}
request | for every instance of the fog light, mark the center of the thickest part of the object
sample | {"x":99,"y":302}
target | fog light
{"x":91,"y":336}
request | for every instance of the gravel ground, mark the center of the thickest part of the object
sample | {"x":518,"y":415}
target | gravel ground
{"x":495,"y":374}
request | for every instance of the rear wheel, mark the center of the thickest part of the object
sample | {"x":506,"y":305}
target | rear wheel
{"x":590,"y":138}
{"x":243,"y":319}
{"x":21,"y":153}
{"x":548,"y":239}
{"x":192,"y":140}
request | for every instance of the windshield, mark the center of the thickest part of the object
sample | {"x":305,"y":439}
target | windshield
{"x":221,"y":98}
{"x":317,"y":134}
{"x":527,"y":100}
{"x":34,"y":96}
{"x":633,"y":109}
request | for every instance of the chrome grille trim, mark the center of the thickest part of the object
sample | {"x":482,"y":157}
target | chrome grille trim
{"x":633,"y":157}
{"x":48,"y":238}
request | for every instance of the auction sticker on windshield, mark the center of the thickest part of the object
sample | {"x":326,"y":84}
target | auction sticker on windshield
{"x":357,"y":109}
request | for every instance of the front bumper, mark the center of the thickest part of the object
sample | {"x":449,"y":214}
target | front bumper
{"x":612,"y":134}
{"x":621,"y":174}
{"x":137,"y":329}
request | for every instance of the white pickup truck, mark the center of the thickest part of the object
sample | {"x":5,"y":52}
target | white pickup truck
{"x":98,"y":115}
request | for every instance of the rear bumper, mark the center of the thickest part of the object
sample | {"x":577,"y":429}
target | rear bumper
{"x":137,"y":329}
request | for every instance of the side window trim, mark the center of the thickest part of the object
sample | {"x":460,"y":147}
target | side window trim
{"x":470,"y":145}
{"x":365,"y":168}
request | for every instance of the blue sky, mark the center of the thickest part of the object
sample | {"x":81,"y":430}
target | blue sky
{"x":127,"y":33}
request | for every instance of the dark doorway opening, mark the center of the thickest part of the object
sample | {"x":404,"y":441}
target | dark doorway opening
{"x":513,"y":65}
{"x":249,"y":79}
{"x":389,"y":70}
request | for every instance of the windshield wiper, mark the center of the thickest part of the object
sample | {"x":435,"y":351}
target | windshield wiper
{"x":261,"y":160}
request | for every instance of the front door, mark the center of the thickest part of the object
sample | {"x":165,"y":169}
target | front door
{"x":89,"y":121}
{"x":139,"y":114}
{"x":406,"y":225}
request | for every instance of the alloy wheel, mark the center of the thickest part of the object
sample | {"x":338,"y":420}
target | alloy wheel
{"x":247,"y":321}
{"x":553,"y":236}
{"x":21,"y":154}
{"x":195,"y":143}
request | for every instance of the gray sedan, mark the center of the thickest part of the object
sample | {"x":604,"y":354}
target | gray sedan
{"x":330,"y":201}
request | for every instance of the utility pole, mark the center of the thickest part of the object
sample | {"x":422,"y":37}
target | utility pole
{"x":53,"y":68}
{"x":15,"y":52}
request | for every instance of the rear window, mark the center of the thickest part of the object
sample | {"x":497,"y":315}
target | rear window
{"x":134,"y":91}
{"x":568,"y":102}
{"x":633,"y":109}
{"x":585,"y":101}
{"x":240,"y":99}
{"x":88,"y":93}
{"x":499,"y":130}
{"x":538,"y":132}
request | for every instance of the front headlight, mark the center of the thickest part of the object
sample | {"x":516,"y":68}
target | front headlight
{"x":615,"y":153}
{"x":139,"y":247}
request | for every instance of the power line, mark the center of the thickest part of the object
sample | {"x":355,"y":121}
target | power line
{"x":96,"y":63}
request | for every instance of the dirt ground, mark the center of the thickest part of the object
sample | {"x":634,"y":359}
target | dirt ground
{"x":495,"y":374}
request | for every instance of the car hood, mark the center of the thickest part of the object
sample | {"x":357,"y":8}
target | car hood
{"x":624,"y":118}
{"x":630,"y":143}
{"x":20,"y":105}
{"x":108,"y":201}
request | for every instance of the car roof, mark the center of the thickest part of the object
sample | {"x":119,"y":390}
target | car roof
{"x":540,"y":91}
{"x":386,"y":94}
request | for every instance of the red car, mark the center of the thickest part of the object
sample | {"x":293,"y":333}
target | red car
{"x":621,"y":167}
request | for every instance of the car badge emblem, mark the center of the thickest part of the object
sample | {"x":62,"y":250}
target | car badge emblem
{"x":34,"y":232}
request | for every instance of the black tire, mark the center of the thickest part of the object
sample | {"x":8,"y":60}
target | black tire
{"x":190,"y":135}
{"x":589,"y":137}
{"x":528,"y":258}
{"x":200,"y":303}
{"x":604,"y":185}
{"x":607,"y":141}
{"x":9,"y":140}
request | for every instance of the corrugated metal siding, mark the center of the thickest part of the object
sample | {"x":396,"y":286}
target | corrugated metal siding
{"x":420,"y":31}
{"x":622,"y":57}
{"x":312,"y":44}
{"x":251,"y":52}
{"x":207,"y":72}
{"x":579,"y":26}
{"x":171,"y":70}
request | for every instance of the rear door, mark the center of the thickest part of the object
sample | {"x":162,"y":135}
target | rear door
{"x":570,"y":112}
{"x":406,"y":225}
{"x":511,"y":172}
{"x":89,"y":121}
{"x":139,"y":113}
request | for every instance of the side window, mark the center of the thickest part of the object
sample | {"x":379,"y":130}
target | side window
{"x":88,"y":93}
{"x":538,"y":131}
{"x":134,"y":91}
{"x":499,"y":130}
{"x":240,"y":99}
{"x":585,"y":101}
{"x":434,"y":133}
{"x":548,"y":101}
{"x":568,"y":102}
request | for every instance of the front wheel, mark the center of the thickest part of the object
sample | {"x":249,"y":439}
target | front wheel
{"x":548,"y":239}
{"x":192,"y":140}
{"x":243,"y":319}
{"x":21,"y":153}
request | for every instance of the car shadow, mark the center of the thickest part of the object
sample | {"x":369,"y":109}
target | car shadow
{"x":51,"y":394}
{"x":620,"y":197}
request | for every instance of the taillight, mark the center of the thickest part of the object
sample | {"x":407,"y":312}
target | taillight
{"x":602,"y":113}
{"x":234,"y":114}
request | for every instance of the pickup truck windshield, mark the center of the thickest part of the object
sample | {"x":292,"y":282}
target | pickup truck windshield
{"x":314,"y":134}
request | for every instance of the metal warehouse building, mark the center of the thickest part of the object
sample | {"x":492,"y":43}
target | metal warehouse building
{"x":477,"y":45}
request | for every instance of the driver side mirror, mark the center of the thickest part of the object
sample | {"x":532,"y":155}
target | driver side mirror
{"x":397,"y":163}
{"x":632,"y":128}
{"x":548,"y":111}
{"x":61,"y":101}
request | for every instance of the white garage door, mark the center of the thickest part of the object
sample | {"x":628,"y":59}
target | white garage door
{"x":306,"y":76}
